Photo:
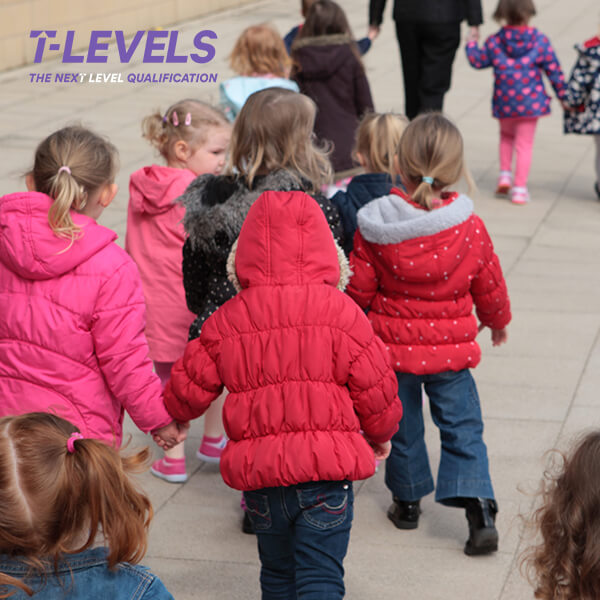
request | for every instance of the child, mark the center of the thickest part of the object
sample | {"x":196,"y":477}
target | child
{"x":420,"y":262}
{"x":376,"y":142}
{"x":564,"y":564}
{"x":61,"y":495}
{"x":328,"y":69}
{"x":364,"y":44}
{"x":305,"y":373}
{"x":583,"y":97}
{"x":518,"y":54}
{"x":192,"y":137}
{"x":260,"y":59}
{"x":72,"y":309}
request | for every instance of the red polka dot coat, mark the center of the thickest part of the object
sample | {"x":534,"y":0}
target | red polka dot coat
{"x":420,"y":272}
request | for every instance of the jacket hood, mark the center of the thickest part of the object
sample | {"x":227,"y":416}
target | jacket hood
{"x":153,"y":189}
{"x":286,"y":240}
{"x":517,"y":41}
{"x":590,"y":48}
{"x":28,"y":246}
{"x":320,"y":57}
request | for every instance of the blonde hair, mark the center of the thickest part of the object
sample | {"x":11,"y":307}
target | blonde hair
{"x":431,"y":146}
{"x":377,"y":138}
{"x":53,"y":502}
{"x":260,"y":51}
{"x":69,"y":166}
{"x":187,"y":120}
{"x":274,"y":130}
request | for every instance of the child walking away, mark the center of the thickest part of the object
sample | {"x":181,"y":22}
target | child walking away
{"x":328,"y":69}
{"x":364,"y":44}
{"x":376,"y":142}
{"x":61,"y":494}
{"x":563,"y":563}
{"x":519,"y":54}
{"x":583,"y":97}
{"x":192,"y":137}
{"x":72,"y":309}
{"x":305,"y":373}
{"x":420,"y":262}
{"x":261,"y":61}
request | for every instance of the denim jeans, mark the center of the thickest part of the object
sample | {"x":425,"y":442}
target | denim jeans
{"x":303,"y":532}
{"x":455,"y":409}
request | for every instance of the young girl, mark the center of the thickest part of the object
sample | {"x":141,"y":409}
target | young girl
{"x":305,"y":373}
{"x":420,"y":262}
{"x":565,"y":563}
{"x":376,"y":142}
{"x":72,"y":309}
{"x":71,"y":523}
{"x":519,"y":54}
{"x":261,"y":61}
{"x":328,"y":69}
{"x":583,"y":97}
{"x":192,"y":138}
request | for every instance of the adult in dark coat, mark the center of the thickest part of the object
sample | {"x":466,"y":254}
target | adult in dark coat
{"x":428,"y":33}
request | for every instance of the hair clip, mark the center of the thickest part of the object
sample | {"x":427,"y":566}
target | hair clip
{"x":64,"y":168}
{"x":428,"y":180}
{"x":165,"y":119}
{"x":175,"y":118}
{"x":71,"y":441}
{"x":188,"y":119}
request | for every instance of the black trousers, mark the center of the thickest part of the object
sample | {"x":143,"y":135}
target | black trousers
{"x":427,"y":51}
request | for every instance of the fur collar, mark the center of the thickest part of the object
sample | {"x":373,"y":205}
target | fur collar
{"x":391,"y":219}
{"x":335,"y":39}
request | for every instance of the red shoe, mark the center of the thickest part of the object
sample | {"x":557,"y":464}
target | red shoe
{"x":169,"y":469}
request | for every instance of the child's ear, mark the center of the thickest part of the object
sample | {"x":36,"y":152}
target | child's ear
{"x":107,"y":194}
{"x":29,"y":182}
{"x":181,"y":150}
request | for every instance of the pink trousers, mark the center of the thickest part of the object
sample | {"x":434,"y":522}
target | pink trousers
{"x":516,"y":137}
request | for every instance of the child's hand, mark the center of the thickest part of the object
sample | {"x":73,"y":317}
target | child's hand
{"x":382,"y":451}
{"x":170,"y":435}
{"x":473,"y":35}
{"x":373,"y":32}
{"x":499,"y":336}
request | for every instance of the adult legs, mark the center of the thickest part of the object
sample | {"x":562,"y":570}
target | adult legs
{"x":524,"y":137}
{"x":407,"y":472}
{"x":410,"y":53}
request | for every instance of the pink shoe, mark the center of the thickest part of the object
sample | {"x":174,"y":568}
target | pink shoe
{"x":504,"y":183}
{"x":211,"y":449}
{"x":170,"y":469}
{"x":520,"y":195}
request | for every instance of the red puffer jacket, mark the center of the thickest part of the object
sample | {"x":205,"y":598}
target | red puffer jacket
{"x":420,"y":272}
{"x":302,"y":365}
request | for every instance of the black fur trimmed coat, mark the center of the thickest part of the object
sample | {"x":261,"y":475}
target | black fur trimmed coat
{"x":216,"y":206}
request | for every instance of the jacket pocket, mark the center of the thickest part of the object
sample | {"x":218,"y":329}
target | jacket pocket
{"x":326,"y":505}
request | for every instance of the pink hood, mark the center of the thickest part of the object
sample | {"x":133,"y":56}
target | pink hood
{"x":72,"y":322}
{"x":153,"y":189}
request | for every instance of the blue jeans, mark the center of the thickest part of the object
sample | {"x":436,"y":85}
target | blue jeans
{"x":303,"y":532}
{"x":455,"y":409}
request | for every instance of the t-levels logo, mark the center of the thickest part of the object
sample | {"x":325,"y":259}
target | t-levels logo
{"x":154,"y":47}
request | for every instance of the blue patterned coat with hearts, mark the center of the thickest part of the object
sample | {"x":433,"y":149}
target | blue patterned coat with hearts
{"x":584,"y":91}
{"x":519,"y":56}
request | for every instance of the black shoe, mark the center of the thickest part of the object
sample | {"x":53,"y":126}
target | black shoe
{"x":247,"y":526}
{"x":404,"y":515}
{"x":483,"y":535}
{"x":597,"y":190}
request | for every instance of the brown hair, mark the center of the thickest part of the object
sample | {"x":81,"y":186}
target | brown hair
{"x":377,"y":138}
{"x":306,"y":4}
{"x":188,"y":120}
{"x":431,"y":146}
{"x":260,"y":51}
{"x":274,"y":130}
{"x":514,"y":12}
{"x":565,"y":565}
{"x":89,"y":160}
{"x":53,"y":502}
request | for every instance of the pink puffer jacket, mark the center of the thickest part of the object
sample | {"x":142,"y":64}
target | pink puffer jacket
{"x":71,"y":325}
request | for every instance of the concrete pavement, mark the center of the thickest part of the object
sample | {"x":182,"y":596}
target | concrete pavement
{"x":537,"y":391}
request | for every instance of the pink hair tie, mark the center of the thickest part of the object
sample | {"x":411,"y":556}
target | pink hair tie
{"x":188,"y":119}
{"x":175,"y":119}
{"x":71,"y":441}
{"x":64,"y":168}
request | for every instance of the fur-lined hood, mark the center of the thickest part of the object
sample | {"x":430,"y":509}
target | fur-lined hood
{"x":286,"y":240}
{"x":320,"y":57}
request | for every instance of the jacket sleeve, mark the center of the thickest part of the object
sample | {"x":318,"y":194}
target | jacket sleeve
{"x":488,"y":287}
{"x":194,"y":383}
{"x":549,"y":63}
{"x":580,"y":82}
{"x":376,"y":8}
{"x":196,"y":275}
{"x":473,"y":11}
{"x":122,"y":350}
{"x":363,"y":102}
{"x":374,"y":391}
{"x":363,"y":283}
{"x":480,"y":58}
